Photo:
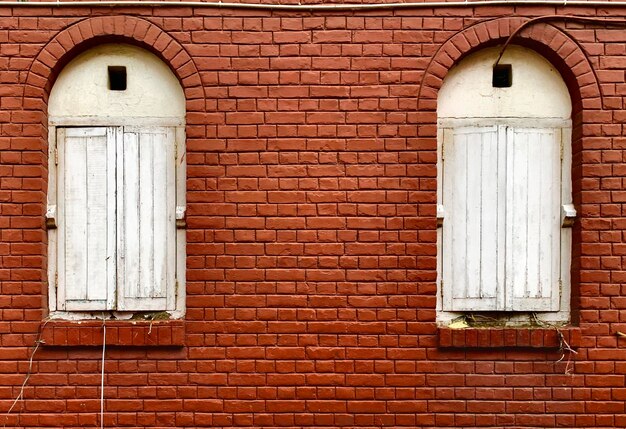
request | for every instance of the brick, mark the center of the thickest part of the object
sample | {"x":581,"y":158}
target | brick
{"x":311,"y":238}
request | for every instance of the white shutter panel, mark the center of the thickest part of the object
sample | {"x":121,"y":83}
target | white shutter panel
{"x":146,"y":221}
{"x":533,"y":219}
{"x":86,"y":221}
{"x":473,"y":228}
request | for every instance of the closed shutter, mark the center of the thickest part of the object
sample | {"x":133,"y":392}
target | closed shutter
{"x":86,"y":220}
{"x":473,"y":230}
{"x":146,"y":219}
{"x":533,"y":228}
{"x":502,"y":230}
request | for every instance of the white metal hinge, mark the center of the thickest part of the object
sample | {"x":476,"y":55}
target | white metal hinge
{"x":181,"y":217}
{"x":440,"y":215}
{"x":51,"y":216}
{"x":56,"y":155}
{"x":568,"y":215}
{"x":56,"y":280}
{"x":561,"y":150}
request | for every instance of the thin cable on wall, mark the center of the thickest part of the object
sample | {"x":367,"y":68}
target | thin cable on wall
{"x":104,"y":347}
{"x":609,"y":21}
{"x":314,"y":7}
{"x":38,"y":342}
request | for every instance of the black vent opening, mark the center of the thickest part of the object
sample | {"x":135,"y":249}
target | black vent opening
{"x":502,"y":76}
{"x":117,"y":78}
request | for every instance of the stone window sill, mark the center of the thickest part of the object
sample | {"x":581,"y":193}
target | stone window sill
{"x":141,"y":333}
{"x":495,"y":337}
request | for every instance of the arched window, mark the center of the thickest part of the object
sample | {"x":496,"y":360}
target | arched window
{"x":117,"y":184}
{"x":504,"y":187}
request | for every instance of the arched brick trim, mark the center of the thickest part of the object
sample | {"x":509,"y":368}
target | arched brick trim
{"x":129,"y":29}
{"x":545,"y":38}
{"x":568,"y":58}
{"x":88,"y":33}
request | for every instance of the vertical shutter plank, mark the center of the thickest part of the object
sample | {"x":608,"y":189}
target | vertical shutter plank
{"x":75,"y":218}
{"x":551,"y":286}
{"x":149,"y":212}
{"x":447,"y":199}
{"x":164,"y":207}
{"x":561,"y":297}
{"x":455,"y":226}
{"x":517,"y":211}
{"x":111,"y":214}
{"x":146,"y":229}
{"x":96,"y":214}
{"x":501,"y":228}
{"x":516,"y":224}
{"x":473,"y":212}
{"x":130,"y":217}
{"x":177,"y":256}
{"x":161,"y":188}
{"x":534,"y":190}
{"x":489,"y":205}
{"x":458,"y":218}
{"x":169,"y":287}
{"x":471,"y":229}
{"x":534,"y":239}
{"x":546,"y":152}
{"x":60,"y":232}
{"x":86,"y":257}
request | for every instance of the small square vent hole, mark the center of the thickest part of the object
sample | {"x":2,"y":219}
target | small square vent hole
{"x":502,"y":76}
{"x":117,"y":78}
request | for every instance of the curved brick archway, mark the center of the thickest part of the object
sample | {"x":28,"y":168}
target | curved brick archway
{"x":548,"y":40}
{"x":568,"y":58}
{"x":92,"y":31}
{"x":87,"y":33}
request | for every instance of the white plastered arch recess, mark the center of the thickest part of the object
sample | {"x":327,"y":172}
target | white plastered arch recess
{"x":538,"y":90}
{"x":536,"y":104}
{"x":115,"y":132}
{"x":81,"y":92}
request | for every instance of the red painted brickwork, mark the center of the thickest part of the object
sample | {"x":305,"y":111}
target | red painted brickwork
{"x":118,"y":333}
{"x":311,"y":267}
{"x":495,"y":337}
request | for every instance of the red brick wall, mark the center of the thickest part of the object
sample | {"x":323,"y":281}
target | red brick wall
{"x":311,"y":235}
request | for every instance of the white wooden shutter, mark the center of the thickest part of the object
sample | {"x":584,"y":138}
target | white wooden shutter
{"x":146,"y":221}
{"x":473,"y":229}
{"x":533,"y":228}
{"x":86,"y":219}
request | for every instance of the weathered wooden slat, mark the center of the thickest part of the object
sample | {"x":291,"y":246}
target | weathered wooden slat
{"x":471,"y":192}
{"x":149,"y":203}
{"x":86,"y":260}
{"x":534,"y":204}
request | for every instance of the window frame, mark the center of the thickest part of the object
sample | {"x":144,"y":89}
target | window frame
{"x":178,"y":127}
{"x":567,"y":211}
